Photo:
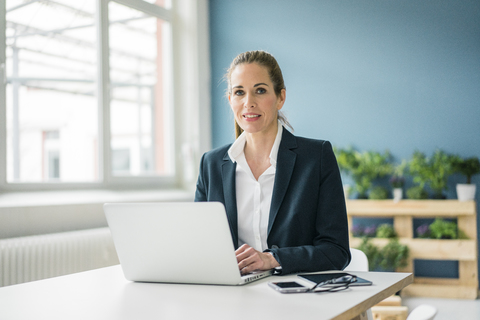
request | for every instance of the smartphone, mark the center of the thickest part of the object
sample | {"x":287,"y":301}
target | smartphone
{"x":288,"y":287}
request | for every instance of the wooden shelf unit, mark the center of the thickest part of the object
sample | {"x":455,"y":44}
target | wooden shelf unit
{"x":403,"y":213}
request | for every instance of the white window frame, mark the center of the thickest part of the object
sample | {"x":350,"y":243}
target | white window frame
{"x":191,"y":113}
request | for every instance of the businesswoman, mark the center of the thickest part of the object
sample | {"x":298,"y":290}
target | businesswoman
{"x":282,"y":193}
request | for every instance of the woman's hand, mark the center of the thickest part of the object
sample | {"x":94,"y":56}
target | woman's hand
{"x":249,"y":260}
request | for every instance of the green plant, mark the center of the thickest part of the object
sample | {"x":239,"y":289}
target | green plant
{"x":371,"y":251}
{"x":363,"y":167}
{"x":378,"y":193}
{"x":416,"y":193}
{"x":397,"y":180}
{"x":392,"y":256}
{"x":386,"y":231}
{"x":468,"y":167}
{"x":442,"y":229}
{"x":433,"y":171}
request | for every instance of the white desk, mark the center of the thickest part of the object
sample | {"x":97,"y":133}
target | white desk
{"x":105,"y":294}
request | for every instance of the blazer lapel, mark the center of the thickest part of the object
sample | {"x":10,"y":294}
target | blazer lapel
{"x":285,"y":164}
{"x":229,"y":192}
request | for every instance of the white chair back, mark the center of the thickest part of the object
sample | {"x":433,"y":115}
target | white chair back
{"x":359,"y":261}
{"x":423,"y":312}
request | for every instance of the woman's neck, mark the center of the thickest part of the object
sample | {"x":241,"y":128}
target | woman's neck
{"x":257,"y":150}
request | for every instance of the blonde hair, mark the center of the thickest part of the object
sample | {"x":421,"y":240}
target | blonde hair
{"x":266,"y":60}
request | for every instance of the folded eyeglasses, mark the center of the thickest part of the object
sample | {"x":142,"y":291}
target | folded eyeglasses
{"x":333,"y":285}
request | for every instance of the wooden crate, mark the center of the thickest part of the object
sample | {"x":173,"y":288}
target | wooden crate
{"x":390,"y":309}
{"x":389,"y":313}
{"x":465,"y":251}
{"x":392,"y":301}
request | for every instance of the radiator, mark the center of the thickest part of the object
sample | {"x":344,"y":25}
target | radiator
{"x":39,"y":257}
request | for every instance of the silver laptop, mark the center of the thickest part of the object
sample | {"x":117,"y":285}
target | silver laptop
{"x":175,"y":242}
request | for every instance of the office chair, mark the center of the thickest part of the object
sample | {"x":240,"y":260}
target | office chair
{"x":359,"y":261}
{"x":423,"y":312}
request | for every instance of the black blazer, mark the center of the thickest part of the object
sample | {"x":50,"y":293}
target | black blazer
{"x":307,"y":228}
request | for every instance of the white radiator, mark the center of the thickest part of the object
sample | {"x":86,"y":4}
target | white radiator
{"x":38,"y":257}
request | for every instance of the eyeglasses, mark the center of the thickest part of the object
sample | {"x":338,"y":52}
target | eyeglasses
{"x":333,"y":288}
{"x":334,"y":285}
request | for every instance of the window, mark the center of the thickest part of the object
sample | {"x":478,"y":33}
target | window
{"x":89,"y":96}
{"x":51,"y":65}
{"x":140,"y":69}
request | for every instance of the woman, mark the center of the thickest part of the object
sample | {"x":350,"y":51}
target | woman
{"x":283,"y":194}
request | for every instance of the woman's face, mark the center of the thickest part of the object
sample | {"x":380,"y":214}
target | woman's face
{"x":253,"y":100}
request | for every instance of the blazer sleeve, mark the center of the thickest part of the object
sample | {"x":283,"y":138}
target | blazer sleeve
{"x":311,"y":230}
{"x":200,"y":193}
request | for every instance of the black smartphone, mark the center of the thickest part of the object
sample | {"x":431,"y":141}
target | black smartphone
{"x":288,"y":287}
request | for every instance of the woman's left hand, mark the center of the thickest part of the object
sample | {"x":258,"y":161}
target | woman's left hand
{"x":250,"y":260}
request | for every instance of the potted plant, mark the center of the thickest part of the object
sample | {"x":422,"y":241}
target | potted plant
{"x":467,"y":167}
{"x":423,"y":231}
{"x":372,"y":253}
{"x":442,"y":229}
{"x":370,"y":231}
{"x":357,"y":230}
{"x":363,"y":167}
{"x":433,"y":171}
{"x":397,"y":181}
{"x":392,"y":256}
{"x":361,"y":231}
{"x":417,"y":193}
{"x":378,"y":193}
{"x":386,"y":231}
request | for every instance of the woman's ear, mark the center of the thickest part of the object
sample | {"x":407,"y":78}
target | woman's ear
{"x":281,"y":99}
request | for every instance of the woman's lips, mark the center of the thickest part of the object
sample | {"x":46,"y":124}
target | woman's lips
{"x":251,"y":116}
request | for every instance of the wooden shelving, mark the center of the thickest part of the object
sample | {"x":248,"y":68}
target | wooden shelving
{"x":465,"y":251}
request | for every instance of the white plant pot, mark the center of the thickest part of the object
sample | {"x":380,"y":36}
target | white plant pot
{"x":466,"y":192}
{"x":397,"y":194}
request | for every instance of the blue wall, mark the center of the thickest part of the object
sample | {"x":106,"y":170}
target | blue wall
{"x":377,"y":75}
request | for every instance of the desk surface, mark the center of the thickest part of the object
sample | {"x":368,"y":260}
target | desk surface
{"x":105,"y":294}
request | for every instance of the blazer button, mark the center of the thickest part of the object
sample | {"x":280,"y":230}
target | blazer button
{"x":274,"y":247}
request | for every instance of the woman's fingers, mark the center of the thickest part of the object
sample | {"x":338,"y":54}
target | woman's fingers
{"x":242,"y":248}
{"x":249,"y":259}
{"x":244,"y":252}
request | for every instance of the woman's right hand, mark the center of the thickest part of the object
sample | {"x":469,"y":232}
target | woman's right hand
{"x":250,"y":260}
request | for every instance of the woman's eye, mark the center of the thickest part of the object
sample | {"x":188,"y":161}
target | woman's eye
{"x":261,"y":90}
{"x":239,"y":93}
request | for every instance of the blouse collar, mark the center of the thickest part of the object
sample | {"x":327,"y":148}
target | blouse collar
{"x":238,"y":146}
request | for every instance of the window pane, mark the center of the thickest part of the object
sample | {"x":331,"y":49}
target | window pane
{"x":139,"y":74}
{"x":52,"y":115}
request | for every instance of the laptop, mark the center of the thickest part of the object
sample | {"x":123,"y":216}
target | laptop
{"x":175,"y":242}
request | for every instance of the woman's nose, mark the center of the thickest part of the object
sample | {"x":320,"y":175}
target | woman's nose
{"x":249,"y":101}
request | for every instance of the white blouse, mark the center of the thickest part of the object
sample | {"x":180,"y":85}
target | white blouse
{"x":253,"y":197}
